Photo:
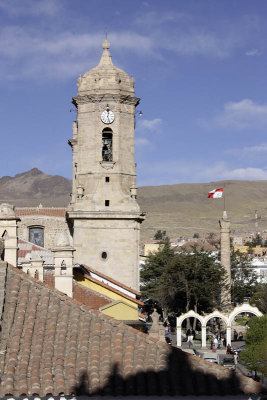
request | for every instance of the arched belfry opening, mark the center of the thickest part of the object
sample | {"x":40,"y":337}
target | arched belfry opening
{"x":107,"y":136}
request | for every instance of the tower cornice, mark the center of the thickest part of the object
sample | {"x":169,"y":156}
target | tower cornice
{"x":97,"y":98}
{"x":79,"y":214}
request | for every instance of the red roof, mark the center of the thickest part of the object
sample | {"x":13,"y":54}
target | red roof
{"x":89,"y":297}
{"x":51,"y":344}
{"x":51,"y":212}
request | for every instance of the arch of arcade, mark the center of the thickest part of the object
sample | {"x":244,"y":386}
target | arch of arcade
{"x":227,"y":318}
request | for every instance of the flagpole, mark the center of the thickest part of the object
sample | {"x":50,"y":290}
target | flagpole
{"x":224,"y":206}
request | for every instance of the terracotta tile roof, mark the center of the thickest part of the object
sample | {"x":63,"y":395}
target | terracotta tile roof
{"x":89,"y":297}
{"x":112,"y":289}
{"x":89,"y":269}
{"x":51,"y":212}
{"x":199,"y":244}
{"x":51,"y":344}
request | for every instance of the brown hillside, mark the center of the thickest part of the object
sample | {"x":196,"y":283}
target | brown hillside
{"x":34,"y":187}
{"x":180,"y":209}
{"x":183,"y":209}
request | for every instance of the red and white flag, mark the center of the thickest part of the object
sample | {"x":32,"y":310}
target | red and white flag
{"x":216,"y":193}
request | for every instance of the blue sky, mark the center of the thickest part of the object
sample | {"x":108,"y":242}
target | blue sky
{"x":200,"y":70}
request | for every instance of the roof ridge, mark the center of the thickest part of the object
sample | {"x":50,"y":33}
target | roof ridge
{"x":111,"y":279}
{"x":103,"y":284}
{"x":33,"y":244}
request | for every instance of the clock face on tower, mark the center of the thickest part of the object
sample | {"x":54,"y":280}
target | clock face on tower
{"x":107,"y":116}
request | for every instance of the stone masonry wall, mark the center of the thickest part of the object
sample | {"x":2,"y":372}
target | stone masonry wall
{"x":52,"y":227}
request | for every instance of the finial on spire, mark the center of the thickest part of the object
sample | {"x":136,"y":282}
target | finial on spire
{"x":106,"y":57}
{"x":106,"y":44}
{"x":224,"y":214}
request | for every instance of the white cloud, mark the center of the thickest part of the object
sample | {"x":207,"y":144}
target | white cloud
{"x":174,"y":171}
{"x":253,"y":52}
{"x":154,"y":19}
{"x":185,"y":34}
{"x":221,"y":171}
{"x":142,"y":142}
{"x":249,"y":151}
{"x":30,"y":7}
{"x":42,"y":55}
{"x":151,"y":125}
{"x":132,"y":41}
{"x":244,"y":114}
{"x":202,"y":43}
{"x":248,"y":173}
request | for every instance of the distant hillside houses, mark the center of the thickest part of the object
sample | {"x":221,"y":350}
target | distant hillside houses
{"x":258,"y":253}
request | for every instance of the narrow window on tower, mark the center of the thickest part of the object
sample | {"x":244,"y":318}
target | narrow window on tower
{"x":63,"y":268}
{"x":107,"y":179}
{"x":107,"y":145}
{"x":107,"y":203}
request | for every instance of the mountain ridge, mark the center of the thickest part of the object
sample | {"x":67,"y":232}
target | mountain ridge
{"x":180,"y":209}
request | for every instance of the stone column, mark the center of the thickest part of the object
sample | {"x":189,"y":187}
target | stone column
{"x":203,"y":336}
{"x":228,"y":335}
{"x":8,"y":231}
{"x":157,"y":330}
{"x":63,"y":256}
{"x":179,"y":336}
{"x":226,"y":261}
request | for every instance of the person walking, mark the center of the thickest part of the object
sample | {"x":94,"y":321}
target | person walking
{"x":236,"y":358}
{"x":235,"y":335}
{"x":228,"y":349}
{"x":190,"y":338}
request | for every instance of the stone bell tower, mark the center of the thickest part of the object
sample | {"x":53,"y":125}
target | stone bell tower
{"x":103,"y":212}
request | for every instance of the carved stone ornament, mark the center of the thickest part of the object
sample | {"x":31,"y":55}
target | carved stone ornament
{"x":6,"y":210}
{"x":95,"y":98}
{"x":107,"y":164}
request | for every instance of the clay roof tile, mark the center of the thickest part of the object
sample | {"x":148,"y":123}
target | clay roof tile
{"x":57,"y":345}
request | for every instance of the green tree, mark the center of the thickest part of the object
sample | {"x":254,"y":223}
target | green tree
{"x":160,"y":235}
{"x":153,"y":269}
{"x":191,"y":280}
{"x":255,"y":354}
{"x":196,"y":235}
{"x":259,"y":298}
{"x":243,"y":278}
{"x":257,"y":240}
{"x":212,"y":240}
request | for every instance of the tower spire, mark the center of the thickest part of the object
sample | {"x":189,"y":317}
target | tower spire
{"x":106,"y":56}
